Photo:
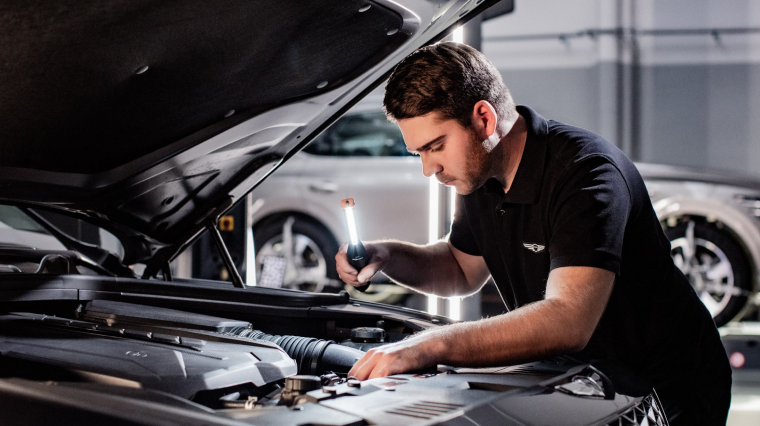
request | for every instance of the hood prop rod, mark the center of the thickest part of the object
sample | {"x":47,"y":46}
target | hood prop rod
{"x":167,"y":272}
{"x":228,"y":263}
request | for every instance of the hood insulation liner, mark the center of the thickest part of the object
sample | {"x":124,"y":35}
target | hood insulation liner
{"x":89,"y":85}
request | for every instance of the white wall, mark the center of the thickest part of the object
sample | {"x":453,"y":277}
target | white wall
{"x":693,"y":100}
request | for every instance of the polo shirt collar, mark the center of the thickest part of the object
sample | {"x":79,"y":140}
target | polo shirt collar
{"x":526,"y":187}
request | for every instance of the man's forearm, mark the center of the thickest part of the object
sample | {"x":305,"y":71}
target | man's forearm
{"x":536,"y":331}
{"x":429,"y":269}
{"x":563,"y":322}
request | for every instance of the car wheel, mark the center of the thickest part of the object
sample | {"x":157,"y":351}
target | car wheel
{"x":715,"y":265}
{"x":309,"y":251}
{"x":311,"y":266}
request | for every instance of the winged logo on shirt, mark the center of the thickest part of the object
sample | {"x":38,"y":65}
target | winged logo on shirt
{"x":535,"y":248}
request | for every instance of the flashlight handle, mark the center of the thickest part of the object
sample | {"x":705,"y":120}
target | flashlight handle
{"x":357,"y":257}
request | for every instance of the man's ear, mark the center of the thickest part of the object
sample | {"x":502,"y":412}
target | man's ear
{"x":485,"y":119}
{"x":485,"y":123}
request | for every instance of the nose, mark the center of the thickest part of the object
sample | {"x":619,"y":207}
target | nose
{"x":429,"y":167}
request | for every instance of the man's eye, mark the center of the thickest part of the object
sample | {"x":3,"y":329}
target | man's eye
{"x":437,"y":148}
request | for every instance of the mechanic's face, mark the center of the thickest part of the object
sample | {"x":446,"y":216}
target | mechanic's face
{"x":454,"y":154}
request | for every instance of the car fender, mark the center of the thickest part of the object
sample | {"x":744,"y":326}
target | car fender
{"x":332,"y":219}
{"x":282,"y":206}
{"x":735,"y":219}
{"x":285,"y":193}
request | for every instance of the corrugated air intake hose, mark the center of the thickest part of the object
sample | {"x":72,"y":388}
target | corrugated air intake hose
{"x":313,"y":356}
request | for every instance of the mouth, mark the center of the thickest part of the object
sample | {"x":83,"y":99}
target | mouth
{"x":445,"y":180}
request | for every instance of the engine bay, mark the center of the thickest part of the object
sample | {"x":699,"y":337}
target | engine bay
{"x":202,"y":358}
{"x":228,"y":368}
{"x":93,"y":349}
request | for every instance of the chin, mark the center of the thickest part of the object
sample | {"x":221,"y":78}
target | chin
{"x":464,"y":189}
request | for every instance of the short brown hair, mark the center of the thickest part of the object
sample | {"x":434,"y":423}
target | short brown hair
{"x":448,"y":78}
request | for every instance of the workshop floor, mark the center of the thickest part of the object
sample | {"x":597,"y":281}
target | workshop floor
{"x":745,"y":395}
{"x":745,"y":405}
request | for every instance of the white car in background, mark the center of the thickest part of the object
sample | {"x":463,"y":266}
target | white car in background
{"x":362,"y":156}
{"x":711,"y":218}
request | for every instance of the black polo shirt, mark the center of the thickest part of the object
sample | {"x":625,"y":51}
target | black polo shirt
{"x":576,"y":200}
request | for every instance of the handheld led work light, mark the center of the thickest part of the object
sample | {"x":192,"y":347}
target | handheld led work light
{"x":357,"y":255}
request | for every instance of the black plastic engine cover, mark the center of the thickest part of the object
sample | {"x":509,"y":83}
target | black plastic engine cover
{"x":97,"y":353}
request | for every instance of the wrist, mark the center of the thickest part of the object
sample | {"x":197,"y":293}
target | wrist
{"x":383,"y":252}
{"x":434,"y":348}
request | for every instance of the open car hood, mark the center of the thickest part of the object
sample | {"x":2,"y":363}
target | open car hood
{"x":150,"y":118}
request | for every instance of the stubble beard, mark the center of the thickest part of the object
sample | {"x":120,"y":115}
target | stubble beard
{"x":478,"y":162}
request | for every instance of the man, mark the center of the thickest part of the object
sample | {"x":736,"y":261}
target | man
{"x":562,"y":221}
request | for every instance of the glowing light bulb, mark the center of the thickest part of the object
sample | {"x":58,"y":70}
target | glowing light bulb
{"x":353,"y":236}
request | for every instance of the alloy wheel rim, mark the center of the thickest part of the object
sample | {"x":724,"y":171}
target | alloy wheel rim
{"x":306,"y":270}
{"x":708,"y":269}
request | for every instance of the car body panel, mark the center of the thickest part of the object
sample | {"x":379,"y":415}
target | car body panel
{"x":724,"y":197}
{"x":385,"y":189}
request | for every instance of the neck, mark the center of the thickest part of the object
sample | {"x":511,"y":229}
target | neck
{"x":510,"y":149}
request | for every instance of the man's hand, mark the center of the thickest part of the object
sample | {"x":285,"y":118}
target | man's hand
{"x":400,"y":357}
{"x":562,"y":323}
{"x":378,"y":257}
{"x":438,"y":268}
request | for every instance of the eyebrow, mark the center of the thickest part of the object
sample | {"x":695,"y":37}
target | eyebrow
{"x":427,"y":145}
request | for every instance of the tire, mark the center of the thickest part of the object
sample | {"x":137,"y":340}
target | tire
{"x":719,"y":272}
{"x":317,"y":263}
{"x":314,"y":253}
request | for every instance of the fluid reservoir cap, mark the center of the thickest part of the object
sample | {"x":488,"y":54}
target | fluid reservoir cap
{"x":367,"y":335}
{"x":302,"y":383}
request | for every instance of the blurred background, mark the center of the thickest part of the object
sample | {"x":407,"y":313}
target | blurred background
{"x":669,"y":81}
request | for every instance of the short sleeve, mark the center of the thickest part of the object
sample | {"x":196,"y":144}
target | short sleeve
{"x":589,"y":215}
{"x":461,"y":236}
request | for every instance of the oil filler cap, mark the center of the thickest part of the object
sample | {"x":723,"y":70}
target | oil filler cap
{"x":367,"y":335}
{"x":302,"y":383}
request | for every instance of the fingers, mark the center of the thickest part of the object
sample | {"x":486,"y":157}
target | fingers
{"x":382,"y":371}
{"x":349,"y":274}
{"x":368,"y":271}
{"x":379,"y":363}
{"x":358,"y":366}
{"x":394,"y":358}
{"x":369,"y":364}
{"x":346,"y":272}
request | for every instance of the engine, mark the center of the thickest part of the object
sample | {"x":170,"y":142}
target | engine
{"x":216,"y":362}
